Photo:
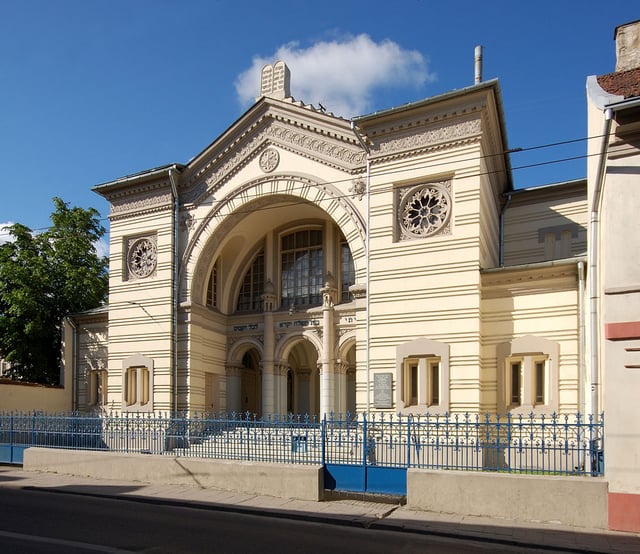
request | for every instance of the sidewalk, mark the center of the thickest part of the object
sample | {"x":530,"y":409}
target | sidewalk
{"x":360,"y":513}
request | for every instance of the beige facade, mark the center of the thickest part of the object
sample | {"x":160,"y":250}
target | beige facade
{"x":613,"y":169}
{"x":304,"y":263}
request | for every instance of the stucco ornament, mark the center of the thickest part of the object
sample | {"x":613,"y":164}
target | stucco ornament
{"x":269,"y":160}
{"x":425,"y":210}
{"x":142,"y":258}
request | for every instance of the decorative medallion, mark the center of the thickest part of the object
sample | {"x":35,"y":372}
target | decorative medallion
{"x":269,"y":160}
{"x":424,"y":210}
{"x":142,"y":257}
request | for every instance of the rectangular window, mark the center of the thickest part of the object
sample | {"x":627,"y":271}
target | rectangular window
{"x":137,"y":386}
{"x":422,"y":382}
{"x":434,"y":370}
{"x":144,"y":386}
{"x":516,"y":383}
{"x":540,"y":371}
{"x":93,"y":388}
{"x":131,"y":386}
{"x":413,"y":385}
{"x":347,"y":271}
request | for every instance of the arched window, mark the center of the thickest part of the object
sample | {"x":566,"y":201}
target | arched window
{"x":302,"y":268}
{"x":252,"y":289}
{"x":347,"y":271}
{"x":212,"y":288}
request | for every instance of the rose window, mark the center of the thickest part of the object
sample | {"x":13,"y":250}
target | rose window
{"x":425,"y":210}
{"x":142,"y":258}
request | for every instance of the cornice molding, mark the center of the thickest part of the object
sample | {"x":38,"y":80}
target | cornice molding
{"x":528,"y":278}
{"x":135,"y":205}
{"x":434,"y":135}
{"x":312,"y":144}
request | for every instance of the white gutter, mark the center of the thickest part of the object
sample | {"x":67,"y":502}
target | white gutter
{"x":582,"y":367}
{"x":354,"y":128}
{"x":174,"y":278}
{"x":594,"y":296}
{"x":74,"y":363}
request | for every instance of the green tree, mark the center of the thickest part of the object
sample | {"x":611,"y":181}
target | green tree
{"x":43,"y":277}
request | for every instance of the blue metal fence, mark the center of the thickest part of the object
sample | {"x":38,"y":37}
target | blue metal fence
{"x":555,"y":444}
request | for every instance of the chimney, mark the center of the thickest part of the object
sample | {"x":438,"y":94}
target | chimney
{"x":478,"y":64}
{"x":627,"y":39}
{"x":275,"y":81}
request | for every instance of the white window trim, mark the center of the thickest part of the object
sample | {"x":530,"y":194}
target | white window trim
{"x":527,"y":351}
{"x":141,"y":399}
{"x":97,"y":387}
{"x":423,"y":352}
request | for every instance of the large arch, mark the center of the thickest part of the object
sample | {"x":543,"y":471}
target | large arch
{"x":256,"y":194}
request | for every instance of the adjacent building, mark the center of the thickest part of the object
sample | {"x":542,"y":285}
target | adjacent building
{"x":614,"y":194}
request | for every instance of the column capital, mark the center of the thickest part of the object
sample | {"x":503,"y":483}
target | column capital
{"x":233,"y":370}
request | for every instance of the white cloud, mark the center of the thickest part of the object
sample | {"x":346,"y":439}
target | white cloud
{"x":4,"y":232}
{"x":102,"y":247}
{"x":341,"y":75}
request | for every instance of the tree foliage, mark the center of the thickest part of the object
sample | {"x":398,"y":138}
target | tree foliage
{"x":44,"y":277}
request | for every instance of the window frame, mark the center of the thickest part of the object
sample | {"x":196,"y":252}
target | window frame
{"x":213,"y":286}
{"x":421,"y":382}
{"x":256,"y":277}
{"x":529,"y":352}
{"x":137,"y":384}
{"x":314,"y":280}
{"x":97,"y":388}
{"x":429,"y":358}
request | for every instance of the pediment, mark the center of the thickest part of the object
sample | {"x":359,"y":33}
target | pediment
{"x":279,"y":126}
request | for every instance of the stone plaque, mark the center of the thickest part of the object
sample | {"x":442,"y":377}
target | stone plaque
{"x":382,"y":387}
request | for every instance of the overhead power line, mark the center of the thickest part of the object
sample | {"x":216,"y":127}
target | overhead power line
{"x":392,"y":173}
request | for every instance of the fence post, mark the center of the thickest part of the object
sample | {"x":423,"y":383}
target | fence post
{"x":508,"y":442}
{"x":365,"y":441}
{"x":408,"y":464}
{"x":323,"y":438}
{"x":11,"y":437}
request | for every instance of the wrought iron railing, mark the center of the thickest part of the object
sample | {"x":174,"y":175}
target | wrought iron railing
{"x":556,"y":444}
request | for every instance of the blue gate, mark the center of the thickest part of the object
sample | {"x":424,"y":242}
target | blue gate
{"x":365,"y":455}
{"x":11,"y":446}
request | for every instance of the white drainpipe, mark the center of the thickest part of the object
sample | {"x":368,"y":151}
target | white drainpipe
{"x":368,"y":251}
{"x":582,"y":368}
{"x":174,"y":300}
{"x":594,"y":296}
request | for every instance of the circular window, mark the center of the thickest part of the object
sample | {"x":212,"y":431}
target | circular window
{"x":425,"y":210}
{"x":142,"y":257}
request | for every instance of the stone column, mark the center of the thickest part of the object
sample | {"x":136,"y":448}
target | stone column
{"x":281,"y":371}
{"x":327,"y":383}
{"x":341,"y":368}
{"x":234,"y":388}
{"x":270,"y":381}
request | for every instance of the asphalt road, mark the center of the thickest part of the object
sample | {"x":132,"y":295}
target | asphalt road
{"x":37,"y":522}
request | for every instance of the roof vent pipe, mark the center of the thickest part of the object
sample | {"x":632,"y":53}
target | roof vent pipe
{"x":478,"y":64}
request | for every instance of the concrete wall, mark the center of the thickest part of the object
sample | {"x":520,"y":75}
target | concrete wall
{"x":572,"y":501}
{"x":27,"y":397}
{"x":304,"y":482}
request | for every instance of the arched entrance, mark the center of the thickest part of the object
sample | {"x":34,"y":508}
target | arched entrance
{"x":351,"y":406}
{"x":251,"y":383}
{"x":303,"y":379}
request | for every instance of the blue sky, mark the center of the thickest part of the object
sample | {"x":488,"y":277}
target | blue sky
{"x":94,"y":90}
